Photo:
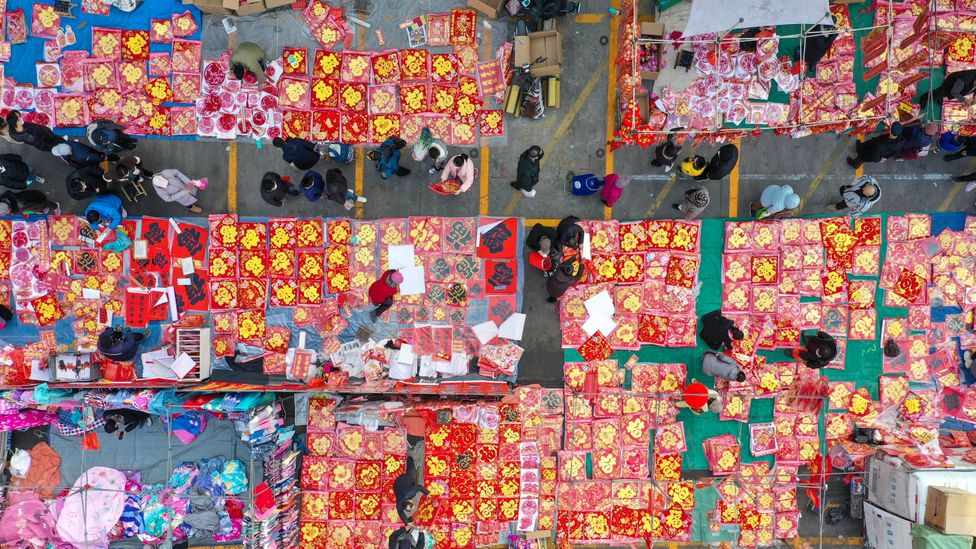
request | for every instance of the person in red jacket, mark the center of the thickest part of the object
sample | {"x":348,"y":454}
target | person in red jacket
{"x":382,"y":291}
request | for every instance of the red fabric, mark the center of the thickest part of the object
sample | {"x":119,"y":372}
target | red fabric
{"x":610,"y":192}
{"x":381,"y":290}
{"x":696,"y":395}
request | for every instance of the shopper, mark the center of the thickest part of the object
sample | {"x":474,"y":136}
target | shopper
{"x":129,"y":168}
{"x":584,"y":184}
{"x":312,"y":185}
{"x":963,"y":145}
{"x":119,"y":344}
{"x":387,"y":158}
{"x":461,"y":169}
{"x":430,"y":150}
{"x":275,"y":188}
{"x":15,"y":173}
{"x":613,"y":189}
{"x":958,"y":86}
{"x":5,"y":132}
{"x":696,"y":200}
{"x":172,"y":185}
{"x":879,"y":148}
{"x":694,"y":167}
{"x":107,"y":137}
{"x":382,"y":291}
{"x":776,"y":201}
{"x":124,"y":420}
{"x":76,"y":154}
{"x":249,"y":57}
{"x":569,"y":234}
{"x":720,"y":365}
{"x":718,"y":331}
{"x":950,"y":143}
{"x":566,"y":275}
{"x":527,"y":173}
{"x":700,"y":399}
{"x":666,"y":154}
{"x":86,"y":182}
{"x":37,"y":136}
{"x":408,"y":492}
{"x":722,"y":163}
{"x":300,"y":153}
{"x":859,"y":196}
{"x":817,"y":351}
{"x":105,"y":210}
{"x":27,"y":203}
{"x":337,"y":189}
{"x":918,"y":140}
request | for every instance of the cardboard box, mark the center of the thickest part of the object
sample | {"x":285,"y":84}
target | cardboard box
{"x":925,"y":537}
{"x":885,"y":530}
{"x":548,"y":44}
{"x":272,"y":4}
{"x":652,"y":31}
{"x":491,"y":8}
{"x":951,"y":510}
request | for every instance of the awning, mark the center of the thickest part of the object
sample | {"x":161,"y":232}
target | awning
{"x":721,"y":15}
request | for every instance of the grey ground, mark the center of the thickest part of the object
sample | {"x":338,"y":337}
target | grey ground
{"x":574,"y":138}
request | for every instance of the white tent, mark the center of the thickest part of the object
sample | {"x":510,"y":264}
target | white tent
{"x":721,"y":15}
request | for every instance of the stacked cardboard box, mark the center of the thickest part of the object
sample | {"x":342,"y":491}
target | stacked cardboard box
{"x":237,"y":7}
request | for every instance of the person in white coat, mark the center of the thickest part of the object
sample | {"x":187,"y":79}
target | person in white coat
{"x":173,"y":185}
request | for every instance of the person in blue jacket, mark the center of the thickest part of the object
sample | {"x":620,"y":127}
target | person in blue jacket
{"x":387,"y":158}
{"x":78,"y":155}
{"x":313,"y":186}
{"x":105,"y":209}
{"x":340,"y":152}
{"x":298,"y":152}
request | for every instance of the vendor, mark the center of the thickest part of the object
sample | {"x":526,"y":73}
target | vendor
{"x":119,"y":344}
{"x":382,"y":291}
{"x":818,"y":350}
{"x":124,"y":420}
{"x":408,"y":492}
{"x":248,"y":57}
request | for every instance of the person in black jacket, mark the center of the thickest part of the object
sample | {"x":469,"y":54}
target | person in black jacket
{"x":718,"y":331}
{"x":109,"y":138}
{"x":569,"y":233}
{"x":666,"y":154}
{"x":300,"y":153}
{"x":26,"y":203}
{"x":119,"y":344}
{"x":958,"y":85}
{"x":86,"y":182}
{"x":124,"y":420}
{"x":275,"y":188}
{"x":722,"y":163}
{"x":818,"y":350}
{"x":879,"y":148}
{"x":816,"y":43}
{"x":15,"y":173}
{"x":35,"y":135}
{"x":527,"y":173}
{"x":566,"y":275}
{"x":76,"y":154}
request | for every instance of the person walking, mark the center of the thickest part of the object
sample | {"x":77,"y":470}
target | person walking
{"x":429,"y":149}
{"x":858,"y":197}
{"x":86,"y":182}
{"x":382,"y":291}
{"x":665,"y":155}
{"x":613,"y":189}
{"x":105,"y":210}
{"x":129,"y":168}
{"x":950,"y":143}
{"x":37,"y":136}
{"x":339,"y":152}
{"x":722,"y":163}
{"x":818,"y":350}
{"x":696,"y":200}
{"x":722,"y":366}
{"x":249,"y":57}
{"x":172,"y":185}
{"x":387,"y":158}
{"x":312,"y":185}
{"x":274,"y":189}
{"x":76,"y":154}
{"x":27,"y":203}
{"x":964,"y":146}
{"x":15,"y":173}
{"x":300,"y":153}
{"x":107,"y":137}
{"x":337,"y":189}
{"x":527,"y":173}
{"x":718,"y":330}
{"x":461,"y":169}
{"x":879,"y":148}
{"x":694,"y":167}
{"x":776,"y":201}
{"x":958,"y":86}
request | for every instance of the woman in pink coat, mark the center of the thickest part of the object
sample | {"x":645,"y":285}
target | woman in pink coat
{"x":613,"y":187}
{"x":461,"y":168}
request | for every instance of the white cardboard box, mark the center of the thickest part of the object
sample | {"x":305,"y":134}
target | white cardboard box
{"x":904,"y":491}
{"x":886,"y":530}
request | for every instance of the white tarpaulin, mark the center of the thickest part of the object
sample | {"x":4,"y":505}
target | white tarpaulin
{"x":721,"y":15}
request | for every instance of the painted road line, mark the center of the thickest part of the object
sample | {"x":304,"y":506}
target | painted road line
{"x":360,"y":179}
{"x":611,"y":99}
{"x":561,"y":130}
{"x":662,"y":196}
{"x":590,"y":18}
{"x":232,"y":177}
{"x":734,"y":183}
{"x":838,"y":150}
{"x":485,"y":156}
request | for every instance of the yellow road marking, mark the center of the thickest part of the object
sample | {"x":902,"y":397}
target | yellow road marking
{"x":232,"y":177}
{"x":590,"y":17}
{"x":734,"y":183}
{"x":839,"y":149}
{"x":485,"y":156}
{"x":662,"y":196}
{"x":611,"y":99}
{"x":673,"y":545}
{"x":360,"y":180}
{"x":563,"y":127}
{"x":547,"y":221}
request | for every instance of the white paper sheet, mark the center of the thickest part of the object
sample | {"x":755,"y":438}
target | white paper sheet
{"x":186,"y":264}
{"x":182,"y":365}
{"x":405,"y":354}
{"x":485,"y":332}
{"x":140,"y":249}
{"x":585,"y":250}
{"x":401,"y":257}
{"x":600,"y":305}
{"x":88,"y":293}
{"x":602,"y":324}
{"x":512,"y":327}
{"x":413,"y":281}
